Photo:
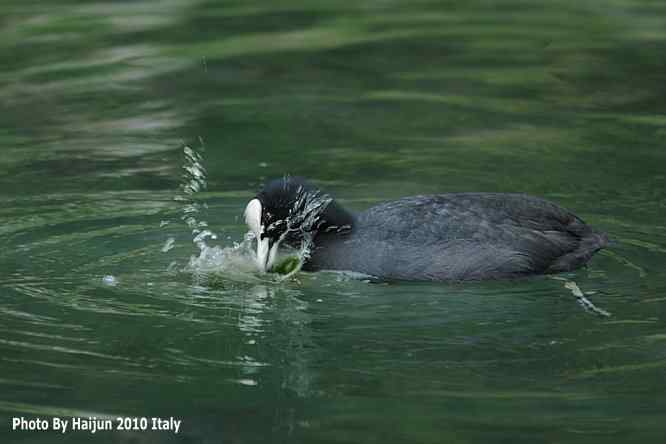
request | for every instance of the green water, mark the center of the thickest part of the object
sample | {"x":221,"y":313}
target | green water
{"x":373,"y":100}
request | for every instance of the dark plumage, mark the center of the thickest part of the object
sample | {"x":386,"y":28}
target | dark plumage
{"x":456,"y":236}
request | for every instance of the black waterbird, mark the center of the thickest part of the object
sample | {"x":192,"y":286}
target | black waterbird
{"x":444,"y":237}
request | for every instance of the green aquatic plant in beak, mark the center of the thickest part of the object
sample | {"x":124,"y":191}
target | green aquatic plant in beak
{"x":289,"y":265}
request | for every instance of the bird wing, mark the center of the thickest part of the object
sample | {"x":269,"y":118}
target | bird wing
{"x":465,"y":235}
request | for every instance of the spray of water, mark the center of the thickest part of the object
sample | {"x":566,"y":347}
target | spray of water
{"x":236,"y":262}
{"x":193,"y":182}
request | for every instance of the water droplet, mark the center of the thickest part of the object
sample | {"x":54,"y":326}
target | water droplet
{"x":110,"y":280}
{"x":249,"y":382}
{"x":168,"y":245}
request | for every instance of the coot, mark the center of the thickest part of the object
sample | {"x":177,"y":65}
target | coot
{"x":444,"y":237}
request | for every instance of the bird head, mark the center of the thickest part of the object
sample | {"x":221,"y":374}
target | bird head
{"x":287,"y":211}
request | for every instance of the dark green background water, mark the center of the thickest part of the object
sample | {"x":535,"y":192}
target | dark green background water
{"x":373,"y":100}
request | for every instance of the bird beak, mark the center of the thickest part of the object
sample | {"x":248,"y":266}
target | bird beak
{"x":266,"y":251}
{"x":263,"y":253}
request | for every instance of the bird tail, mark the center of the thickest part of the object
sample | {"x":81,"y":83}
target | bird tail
{"x":589,"y":243}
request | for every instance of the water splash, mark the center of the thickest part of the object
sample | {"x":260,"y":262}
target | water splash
{"x":309,"y":205}
{"x":194,"y":182}
{"x":239,"y":261}
{"x":210,"y":260}
{"x":212,"y":263}
{"x":168,"y":245}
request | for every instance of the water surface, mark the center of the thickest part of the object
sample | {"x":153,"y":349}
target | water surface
{"x":104,"y":312}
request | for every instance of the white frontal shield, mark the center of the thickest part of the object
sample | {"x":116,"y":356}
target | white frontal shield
{"x":266,"y":249}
